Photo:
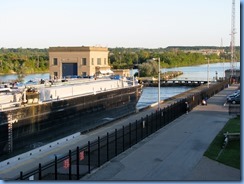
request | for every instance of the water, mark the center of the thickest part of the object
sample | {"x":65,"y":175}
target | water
{"x":32,"y":77}
{"x":150,"y":94}
{"x":199,"y":72}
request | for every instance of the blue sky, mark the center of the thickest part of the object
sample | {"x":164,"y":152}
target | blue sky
{"x":116,"y":23}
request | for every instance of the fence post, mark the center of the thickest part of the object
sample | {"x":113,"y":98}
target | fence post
{"x":130,"y":133}
{"x":136,"y":131}
{"x":21,"y":175}
{"x":107,"y":146}
{"x":56,"y":168}
{"x":116,"y":142}
{"x":70,"y":160}
{"x":156,"y":125}
{"x":123,"y":138}
{"x":89,"y":157}
{"x":142,"y":127}
{"x":77,"y":163}
{"x":147,"y":125}
{"x":40,"y":172}
{"x":98,"y":151}
{"x":160,"y":118}
{"x":167,"y":115}
{"x":170,"y":110}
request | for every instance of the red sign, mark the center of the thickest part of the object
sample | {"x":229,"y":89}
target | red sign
{"x":66,"y":164}
{"x":82,"y":155}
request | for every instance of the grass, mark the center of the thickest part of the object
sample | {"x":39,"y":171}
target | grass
{"x":230,"y":155}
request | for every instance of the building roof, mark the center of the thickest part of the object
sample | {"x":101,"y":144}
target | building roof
{"x":75,"y":49}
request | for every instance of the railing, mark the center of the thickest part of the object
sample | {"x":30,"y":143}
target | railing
{"x":234,"y":109}
{"x":77,"y":163}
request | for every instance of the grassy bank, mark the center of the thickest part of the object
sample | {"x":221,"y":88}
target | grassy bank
{"x":230,"y":155}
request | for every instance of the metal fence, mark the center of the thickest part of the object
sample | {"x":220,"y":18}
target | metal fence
{"x":234,"y":109}
{"x":77,"y":163}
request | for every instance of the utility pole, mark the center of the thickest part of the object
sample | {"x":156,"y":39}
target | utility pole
{"x":232,"y":43}
{"x":223,"y":51}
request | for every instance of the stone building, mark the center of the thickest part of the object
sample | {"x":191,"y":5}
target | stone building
{"x":78,"y":61}
{"x":122,"y":72}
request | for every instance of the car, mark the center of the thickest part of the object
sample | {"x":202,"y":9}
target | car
{"x":234,"y":99}
{"x":234,"y":94}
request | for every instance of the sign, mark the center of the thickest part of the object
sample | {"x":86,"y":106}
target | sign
{"x":66,"y":163}
{"x":82,"y":155}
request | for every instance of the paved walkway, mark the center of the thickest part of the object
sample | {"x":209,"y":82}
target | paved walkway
{"x":182,"y":141}
{"x":175,"y":152}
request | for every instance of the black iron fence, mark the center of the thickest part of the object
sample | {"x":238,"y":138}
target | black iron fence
{"x":234,"y":109}
{"x":77,"y":163}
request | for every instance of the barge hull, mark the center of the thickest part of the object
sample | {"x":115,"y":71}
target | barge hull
{"x":43,"y":123}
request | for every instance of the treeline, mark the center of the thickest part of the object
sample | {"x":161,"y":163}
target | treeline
{"x":170,"y":56}
{"x":226,"y":49}
{"x":25,"y":61}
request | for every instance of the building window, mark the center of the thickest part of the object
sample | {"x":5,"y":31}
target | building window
{"x":55,"y":61}
{"x":98,"y":61}
{"x":92,"y":61}
{"x":83,"y":61}
{"x":105,"y":61}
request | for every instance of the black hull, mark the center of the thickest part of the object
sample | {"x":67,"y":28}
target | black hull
{"x":41,"y":124}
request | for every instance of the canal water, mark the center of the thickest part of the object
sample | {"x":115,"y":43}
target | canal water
{"x":150,"y":94}
{"x":199,"y":72}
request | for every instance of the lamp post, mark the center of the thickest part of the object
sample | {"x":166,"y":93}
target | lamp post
{"x":207,"y":71}
{"x":158,"y":83}
{"x":224,"y":68}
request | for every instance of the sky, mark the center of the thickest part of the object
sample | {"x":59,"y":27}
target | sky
{"x":117,"y":23}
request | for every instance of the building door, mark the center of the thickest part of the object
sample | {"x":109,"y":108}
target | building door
{"x":69,"y":69}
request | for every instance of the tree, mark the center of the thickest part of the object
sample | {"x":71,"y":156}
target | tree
{"x":148,"y":69}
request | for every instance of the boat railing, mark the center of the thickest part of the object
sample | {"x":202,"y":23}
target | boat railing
{"x":9,"y":105}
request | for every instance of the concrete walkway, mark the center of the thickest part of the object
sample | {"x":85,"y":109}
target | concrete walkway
{"x":172,"y":153}
{"x":175,"y":152}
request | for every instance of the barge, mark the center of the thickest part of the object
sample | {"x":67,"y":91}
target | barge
{"x":35,"y":116}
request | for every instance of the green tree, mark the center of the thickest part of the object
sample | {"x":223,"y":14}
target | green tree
{"x":148,"y":69}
